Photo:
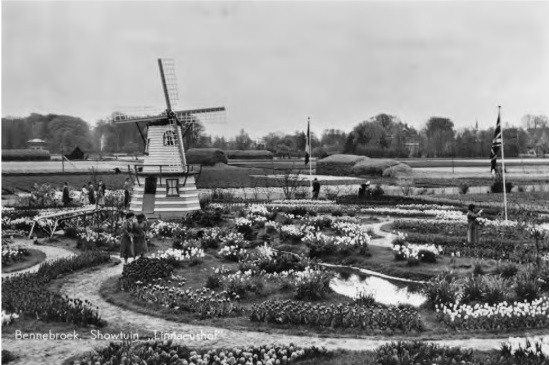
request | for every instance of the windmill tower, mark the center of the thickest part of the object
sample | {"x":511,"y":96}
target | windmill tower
{"x":165,"y":184}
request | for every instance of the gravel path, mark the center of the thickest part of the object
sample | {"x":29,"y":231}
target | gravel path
{"x":52,"y":253}
{"x":86,"y":287}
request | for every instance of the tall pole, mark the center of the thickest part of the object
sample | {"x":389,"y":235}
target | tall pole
{"x":63,"y":152}
{"x":503,"y":167}
{"x":310,"y":154}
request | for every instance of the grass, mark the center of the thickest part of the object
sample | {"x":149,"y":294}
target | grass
{"x":34,"y":258}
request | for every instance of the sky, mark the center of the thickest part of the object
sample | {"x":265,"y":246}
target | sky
{"x":273,"y":64}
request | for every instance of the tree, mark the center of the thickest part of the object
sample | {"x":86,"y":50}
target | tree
{"x":535,"y":121}
{"x":242,"y":141}
{"x":439,"y":133}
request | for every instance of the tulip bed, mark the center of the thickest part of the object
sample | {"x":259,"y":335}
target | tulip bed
{"x":337,"y":316}
{"x":27,"y":294}
{"x":11,"y":255}
{"x":167,"y":353}
{"x":502,"y":316}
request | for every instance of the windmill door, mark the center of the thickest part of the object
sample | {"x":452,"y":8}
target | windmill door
{"x":148,"y":197}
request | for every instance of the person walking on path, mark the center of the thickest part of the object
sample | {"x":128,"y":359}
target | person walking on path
{"x":126,"y":241}
{"x":316,"y":188}
{"x":91,"y":194}
{"x":472,"y":224}
{"x":139,"y":238}
{"x":66,"y":195}
{"x":127,"y":185}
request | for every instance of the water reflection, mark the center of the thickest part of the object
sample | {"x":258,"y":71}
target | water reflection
{"x":382,"y":290}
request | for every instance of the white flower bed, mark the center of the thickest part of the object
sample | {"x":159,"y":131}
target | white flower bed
{"x":539,"y":307}
{"x":8,"y":318}
{"x":187,"y":254}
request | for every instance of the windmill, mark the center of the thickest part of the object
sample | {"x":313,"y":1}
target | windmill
{"x":165,"y":184}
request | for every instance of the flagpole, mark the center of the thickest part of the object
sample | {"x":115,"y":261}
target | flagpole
{"x":310,"y":154}
{"x":503,"y":167}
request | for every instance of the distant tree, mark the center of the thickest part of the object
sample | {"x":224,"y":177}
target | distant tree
{"x":439,"y":133}
{"x":535,"y":121}
{"x":242,"y":141}
{"x":220,"y":142}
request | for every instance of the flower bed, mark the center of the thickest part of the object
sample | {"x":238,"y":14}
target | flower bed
{"x":502,"y":316}
{"x":336,"y":316}
{"x":11,"y":255}
{"x":27,"y":295}
{"x":167,"y":353}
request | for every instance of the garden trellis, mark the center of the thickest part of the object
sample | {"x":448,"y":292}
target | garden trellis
{"x":51,"y":221}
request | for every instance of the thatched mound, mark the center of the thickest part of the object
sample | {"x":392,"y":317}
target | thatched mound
{"x":338,"y":165}
{"x":397,"y":170}
{"x":206,"y":156}
{"x":373,"y":166}
{"x":249,"y":154}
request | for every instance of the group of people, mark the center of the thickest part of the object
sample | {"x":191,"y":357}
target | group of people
{"x":93,"y":194}
{"x":133,"y":242}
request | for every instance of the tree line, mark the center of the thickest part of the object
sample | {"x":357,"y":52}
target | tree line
{"x":383,"y":135}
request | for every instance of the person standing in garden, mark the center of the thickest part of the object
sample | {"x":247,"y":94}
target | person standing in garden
{"x":66,"y":195}
{"x":127,"y":185}
{"x":84,"y":196}
{"x":126,"y":241}
{"x":100,"y":193}
{"x":91,"y":193}
{"x":473,"y":231}
{"x":316,"y":188}
{"x":140,"y":229}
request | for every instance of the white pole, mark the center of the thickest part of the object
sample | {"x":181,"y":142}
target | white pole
{"x":503,"y":166}
{"x":310,"y":155}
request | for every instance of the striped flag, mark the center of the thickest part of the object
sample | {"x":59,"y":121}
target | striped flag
{"x":496,"y":145}
{"x":307,"y":146}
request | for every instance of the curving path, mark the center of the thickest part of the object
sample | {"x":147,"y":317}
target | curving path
{"x":52,"y":253}
{"x":86,"y":287}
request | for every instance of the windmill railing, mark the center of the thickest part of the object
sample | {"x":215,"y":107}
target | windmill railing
{"x":138,"y":170}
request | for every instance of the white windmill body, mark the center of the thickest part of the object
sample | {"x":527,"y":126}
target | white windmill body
{"x":165,"y":185}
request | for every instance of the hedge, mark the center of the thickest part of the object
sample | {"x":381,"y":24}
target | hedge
{"x":25,"y":155}
{"x":206,"y":156}
{"x":372,"y":166}
{"x":249,"y":154}
{"x":338,"y":165}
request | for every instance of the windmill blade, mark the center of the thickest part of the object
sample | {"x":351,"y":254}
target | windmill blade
{"x":122,"y":118}
{"x":169,"y":82}
{"x":205,"y":115}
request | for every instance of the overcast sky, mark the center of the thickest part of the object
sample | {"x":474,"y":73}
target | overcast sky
{"x":273,"y":64}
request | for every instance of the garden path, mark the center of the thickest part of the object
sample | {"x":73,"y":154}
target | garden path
{"x":52,"y":253}
{"x":386,"y":237}
{"x":86,"y":287}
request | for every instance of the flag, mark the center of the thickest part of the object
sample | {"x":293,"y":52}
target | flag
{"x":102,"y":141}
{"x":307,"y":146}
{"x":496,"y":145}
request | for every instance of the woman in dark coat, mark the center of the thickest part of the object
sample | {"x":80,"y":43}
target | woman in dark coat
{"x":139,"y":238}
{"x":126,"y":242}
{"x":91,"y":194}
{"x":472,"y":224}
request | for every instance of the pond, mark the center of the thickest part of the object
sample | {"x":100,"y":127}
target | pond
{"x":383,"y":291}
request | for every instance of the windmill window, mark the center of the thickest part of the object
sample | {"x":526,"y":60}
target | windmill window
{"x":169,"y":138}
{"x":172,"y":187}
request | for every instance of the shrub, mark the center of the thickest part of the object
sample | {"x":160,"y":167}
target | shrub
{"x":507,"y":270}
{"x":441,"y":290}
{"x":313,"y":284}
{"x":473,"y":289}
{"x":397,"y":170}
{"x":464,"y":188}
{"x":526,"y":288}
{"x":497,"y":187}
{"x":496,"y":290}
{"x":427,"y":256}
{"x":477,"y":269}
{"x":339,"y":165}
{"x":374,"y":167}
